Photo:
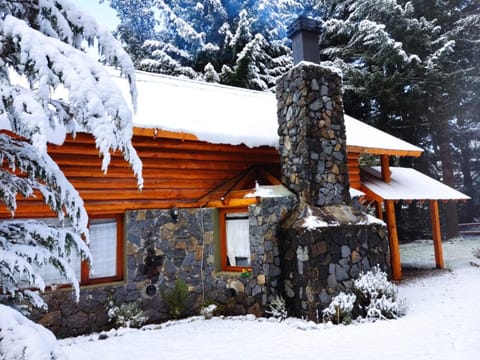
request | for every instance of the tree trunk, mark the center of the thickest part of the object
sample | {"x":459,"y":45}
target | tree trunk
{"x":468,"y":183}
{"x":451,"y":221}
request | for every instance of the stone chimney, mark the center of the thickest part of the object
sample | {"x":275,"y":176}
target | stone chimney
{"x":323,"y":242}
{"x":312,"y":134}
{"x":304,"y":35}
{"x":311,"y":125}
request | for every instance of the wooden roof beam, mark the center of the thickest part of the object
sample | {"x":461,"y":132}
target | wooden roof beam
{"x":385,"y":165}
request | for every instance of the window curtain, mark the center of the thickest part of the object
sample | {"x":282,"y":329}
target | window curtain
{"x":103,"y":247}
{"x":238,"y":240}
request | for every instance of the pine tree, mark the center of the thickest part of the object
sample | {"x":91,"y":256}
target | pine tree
{"x":407,"y":71}
{"x":225,"y":34}
{"x":49,"y":87}
{"x":210,"y":74}
{"x":137,"y":24}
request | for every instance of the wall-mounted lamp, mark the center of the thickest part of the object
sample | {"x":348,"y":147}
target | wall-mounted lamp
{"x":174,"y":214}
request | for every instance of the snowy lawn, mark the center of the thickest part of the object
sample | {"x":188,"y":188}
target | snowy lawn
{"x":443,"y":322}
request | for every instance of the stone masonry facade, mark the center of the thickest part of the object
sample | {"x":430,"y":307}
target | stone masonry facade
{"x":159,"y":251}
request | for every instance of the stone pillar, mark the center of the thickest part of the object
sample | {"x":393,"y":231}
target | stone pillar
{"x":312,"y":134}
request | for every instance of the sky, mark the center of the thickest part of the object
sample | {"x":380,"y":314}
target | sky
{"x":102,"y":12}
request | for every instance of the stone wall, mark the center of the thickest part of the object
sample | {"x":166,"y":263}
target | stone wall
{"x":159,"y":251}
{"x":321,"y":258}
{"x":324,"y":242}
{"x":312,"y":135}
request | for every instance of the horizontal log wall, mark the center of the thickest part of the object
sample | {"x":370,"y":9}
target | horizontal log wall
{"x":176,"y":172}
{"x":354,"y":169}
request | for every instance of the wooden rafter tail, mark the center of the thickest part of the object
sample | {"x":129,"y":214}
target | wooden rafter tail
{"x":220,"y":193}
{"x":159,"y":133}
{"x":268,"y":177}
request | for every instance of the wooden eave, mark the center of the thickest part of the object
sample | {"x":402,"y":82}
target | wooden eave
{"x":232,"y":192}
{"x":159,"y":133}
{"x":377,"y":151}
{"x":155,"y":132}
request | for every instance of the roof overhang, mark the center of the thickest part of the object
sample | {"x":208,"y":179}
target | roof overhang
{"x":406,"y":184}
{"x":193,"y":110}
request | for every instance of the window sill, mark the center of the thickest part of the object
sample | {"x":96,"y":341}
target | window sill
{"x":68,"y":287}
{"x":236,"y":274}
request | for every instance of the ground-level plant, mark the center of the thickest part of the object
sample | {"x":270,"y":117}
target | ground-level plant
{"x":277,"y":308}
{"x":340,"y":309}
{"x":127,"y":314}
{"x":176,"y":299}
{"x":372,"y":297}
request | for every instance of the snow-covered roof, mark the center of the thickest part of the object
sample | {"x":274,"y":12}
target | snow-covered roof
{"x":226,"y":114}
{"x":363,"y":135}
{"x":408,"y":184}
{"x":212,"y":112}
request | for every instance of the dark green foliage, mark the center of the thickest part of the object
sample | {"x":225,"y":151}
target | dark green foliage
{"x":176,"y":299}
{"x":244,"y":41}
{"x":411,"y":68}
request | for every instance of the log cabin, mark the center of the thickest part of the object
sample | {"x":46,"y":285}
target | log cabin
{"x":212,"y":199}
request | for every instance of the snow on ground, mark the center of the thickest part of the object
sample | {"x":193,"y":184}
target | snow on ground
{"x":442,"y":323}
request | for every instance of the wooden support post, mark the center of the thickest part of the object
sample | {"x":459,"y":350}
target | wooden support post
{"x":393,"y":237}
{"x":437,"y":235}
{"x":386,"y":172}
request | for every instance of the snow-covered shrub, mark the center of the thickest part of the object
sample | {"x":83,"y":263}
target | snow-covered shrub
{"x":126,"y":315}
{"x":208,"y":311}
{"x":377,"y":298}
{"x":277,"y":308}
{"x":340,"y":309}
{"x":21,"y":338}
{"x":373,"y":297}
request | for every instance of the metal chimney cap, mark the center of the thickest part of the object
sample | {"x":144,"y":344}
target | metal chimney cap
{"x":303,"y":23}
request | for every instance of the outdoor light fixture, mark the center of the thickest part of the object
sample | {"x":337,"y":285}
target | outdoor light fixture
{"x":174,"y":214}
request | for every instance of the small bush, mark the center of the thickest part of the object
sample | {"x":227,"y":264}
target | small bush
{"x":277,"y":308}
{"x":373,"y":297}
{"x":208,"y":311}
{"x":126,"y":315}
{"x":340,"y":309}
{"x":176,"y":299}
{"x":377,"y":297}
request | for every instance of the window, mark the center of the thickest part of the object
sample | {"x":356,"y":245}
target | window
{"x":106,"y":248}
{"x":235,"y":239}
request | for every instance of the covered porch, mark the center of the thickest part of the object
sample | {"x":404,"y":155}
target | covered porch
{"x":386,"y":185}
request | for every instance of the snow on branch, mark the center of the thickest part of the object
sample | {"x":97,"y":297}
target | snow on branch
{"x":50,"y":59}
{"x":42,"y":174}
{"x":96,"y":107}
{"x":28,"y":245}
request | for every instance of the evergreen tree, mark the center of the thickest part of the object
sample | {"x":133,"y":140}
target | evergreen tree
{"x":137,"y":24}
{"x":407,"y":71}
{"x":210,"y":74}
{"x":49,"y":87}
{"x":228,"y":35}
